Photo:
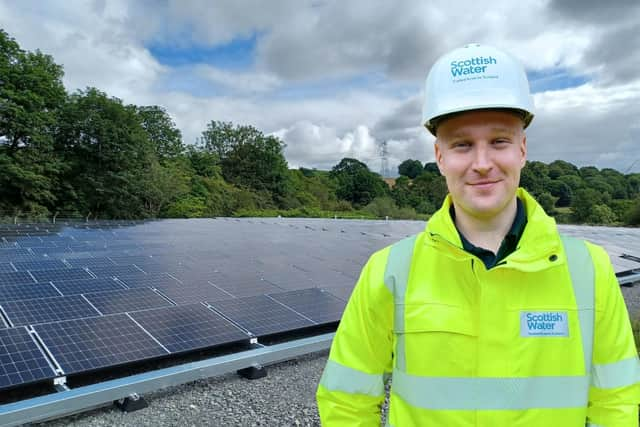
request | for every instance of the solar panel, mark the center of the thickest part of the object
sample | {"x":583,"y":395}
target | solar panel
{"x":288,"y":277}
{"x":51,"y":264}
{"x":149,"y":280}
{"x":128,"y":260}
{"x":27,"y":291}
{"x":344,"y":293}
{"x":261,"y":315}
{"x":6,"y":267}
{"x":50,"y":250}
{"x":16,"y":278}
{"x":244,"y":287}
{"x":126,"y":300}
{"x":89,"y":262}
{"x":152,"y":267}
{"x":32,"y":311}
{"x":82,"y":286}
{"x":21,"y":360}
{"x":61,"y":274}
{"x":315,"y":304}
{"x":188,"y":327}
{"x":88,"y":344}
{"x":193,"y":292}
{"x":115,"y":270}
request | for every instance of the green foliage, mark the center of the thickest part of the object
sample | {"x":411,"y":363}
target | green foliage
{"x":560,"y":168}
{"x":88,"y":154}
{"x":356,"y":183}
{"x":382,"y":207}
{"x":107,"y":152}
{"x":601,"y":214}
{"x":31,"y":92}
{"x":562,"y":192}
{"x":633,"y":217}
{"x":410,"y":168}
{"x":165,"y":137}
{"x":187,"y":207}
{"x":547,"y":201}
{"x":248,"y":158}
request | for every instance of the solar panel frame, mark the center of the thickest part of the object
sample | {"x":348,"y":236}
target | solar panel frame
{"x":45,"y":310}
{"x":115,"y":270}
{"x":124,"y":300}
{"x":89,"y":262}
{"x":61,"y":274}
{"x":21,"y":360}
{"x":83,"y":286}
{"x":314,"y":303}
{"x":241,"y":287}
{"x":27,"y":291}
{"x":188,"y":327}
{"x":261,"y":315}
{"x":7,"y":267}
{"x":16,"y":278}
{"x":89,"y":344}
{"x":48,"y":264}
{"x":193,"y":292}
{"x":149,"y":280}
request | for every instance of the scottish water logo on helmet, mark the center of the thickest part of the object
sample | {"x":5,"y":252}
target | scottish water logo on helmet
{"x":475,"y":77}
{"x":464,"y":67}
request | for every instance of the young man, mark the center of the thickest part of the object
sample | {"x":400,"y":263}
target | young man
{"x":489,"y":317}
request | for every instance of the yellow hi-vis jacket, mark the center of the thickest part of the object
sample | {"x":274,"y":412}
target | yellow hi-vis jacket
{"x":541,"y":339}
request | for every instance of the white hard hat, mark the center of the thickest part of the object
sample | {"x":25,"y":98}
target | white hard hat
{"x":475,"y":77}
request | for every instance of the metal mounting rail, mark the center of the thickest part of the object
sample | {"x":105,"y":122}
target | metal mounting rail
{"x":631,"y":277}
{"x":72,"y":401}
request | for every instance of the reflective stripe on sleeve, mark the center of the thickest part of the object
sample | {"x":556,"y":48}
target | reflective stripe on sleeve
{"x":337,"y":377}
{"x":396,"y":276}
{"x":442,"y":393}
{"x":617,"y":374}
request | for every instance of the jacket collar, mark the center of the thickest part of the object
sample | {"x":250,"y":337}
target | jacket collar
{"x":539,"y":241}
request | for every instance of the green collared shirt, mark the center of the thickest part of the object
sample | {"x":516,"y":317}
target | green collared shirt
{"x":508,"y":245}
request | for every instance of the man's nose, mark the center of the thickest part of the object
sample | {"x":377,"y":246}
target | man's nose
{"x":482,"y":159}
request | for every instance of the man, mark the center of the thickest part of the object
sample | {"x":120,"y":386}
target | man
{"x":489,"y":317}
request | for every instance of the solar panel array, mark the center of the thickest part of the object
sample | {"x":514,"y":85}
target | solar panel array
{"x":80,"y":297}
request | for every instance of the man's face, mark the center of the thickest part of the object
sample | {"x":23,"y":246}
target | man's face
{"x":481,"y":154}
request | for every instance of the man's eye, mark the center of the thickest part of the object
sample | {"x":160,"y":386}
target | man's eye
{"x":501,"y":141}
{"x":461,"y":145}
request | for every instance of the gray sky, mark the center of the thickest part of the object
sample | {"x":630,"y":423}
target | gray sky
{"x":335,"y":78}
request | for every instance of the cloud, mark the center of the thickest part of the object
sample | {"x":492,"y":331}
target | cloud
{"x":335,"y":79}
{"x":589,"y":125}
{"x":614,"y":29}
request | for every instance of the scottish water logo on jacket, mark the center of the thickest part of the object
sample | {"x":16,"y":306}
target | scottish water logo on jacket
{"x":544,"y":324}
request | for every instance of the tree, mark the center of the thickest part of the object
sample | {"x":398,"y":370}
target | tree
{"x":560,"y":168}
{"x":432,"y":167}
{"x":31,"y":92}
{"x":356,"y":183}
{"x":165,"y":137}
{"x":534,"y":177}
{"x":584,"y":201}
{"x":108,"y":153}
{"x":562,"y":191}
{"x":634,"y":214}
{"x":410,"y":168}
{"x":248,"y":158}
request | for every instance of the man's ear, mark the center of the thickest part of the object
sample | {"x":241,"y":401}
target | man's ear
{"x":438,"y":154}
{"x":523,"y":150}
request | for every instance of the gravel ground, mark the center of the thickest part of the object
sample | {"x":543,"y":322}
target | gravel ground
{"x":286,"y":397}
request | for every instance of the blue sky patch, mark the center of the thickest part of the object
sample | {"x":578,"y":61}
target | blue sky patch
{"x":239,"y":53}
{"x":554,"y":79}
